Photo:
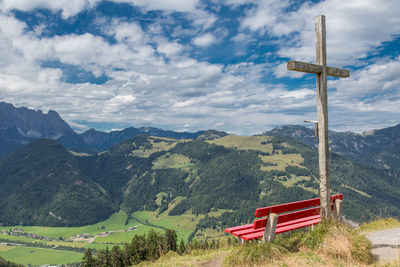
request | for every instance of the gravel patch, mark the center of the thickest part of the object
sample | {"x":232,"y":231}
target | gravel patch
{"x":386,"y":244}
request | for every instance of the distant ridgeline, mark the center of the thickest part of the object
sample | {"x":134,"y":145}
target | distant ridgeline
{"x":19,"y":126}
{"x":44,"y":184}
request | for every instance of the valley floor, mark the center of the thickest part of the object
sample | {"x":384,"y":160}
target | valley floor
{"x":60,"y":245}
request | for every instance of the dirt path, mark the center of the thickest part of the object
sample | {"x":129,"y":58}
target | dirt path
{"x":386,"y":244}
{"x":214,"y":262}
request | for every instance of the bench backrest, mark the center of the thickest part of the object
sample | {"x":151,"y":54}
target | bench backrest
{"x":295,"y":210}
{"x":303,"y":204}
{"x":282,"y":218}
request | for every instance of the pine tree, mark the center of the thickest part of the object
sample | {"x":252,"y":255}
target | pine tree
{"x":171,"y":240}
{"x":127,"y":255}
{"x":88,"y":260}
{"x":116,"y":257}
{"x":103,"y":258}
{"x":138,"y":249}
{"x":154,"y":245}
{"x":205,"y":244}
{"x":213,"y":244}
{"x":182,"y":248}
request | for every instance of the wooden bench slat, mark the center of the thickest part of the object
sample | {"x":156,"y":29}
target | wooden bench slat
{"x":261,"y":212}
{"x":299,"y":220}
{"x":248,"y":231}
{"x":259,"y":234}
{"x":282,"y":224}
{"x":297,"y":226}
{"x":238,"y":228}
{"x":288,"y":217}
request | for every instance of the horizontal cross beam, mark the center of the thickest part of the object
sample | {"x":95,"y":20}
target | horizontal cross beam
{"x":317,"y":69}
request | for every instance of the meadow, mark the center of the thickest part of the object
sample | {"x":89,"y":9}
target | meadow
{"x":38,"y":256}
{"x":22,"y":248}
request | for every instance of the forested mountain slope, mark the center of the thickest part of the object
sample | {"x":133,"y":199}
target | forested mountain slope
{"x":42,"y":184}
{"x":233,"y":175}
{"x":378,"y":148}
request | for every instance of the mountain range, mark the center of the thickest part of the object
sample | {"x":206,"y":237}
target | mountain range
{"x":46,"y":183}
{"x":379,"y":148}
{"x":19,"y":126}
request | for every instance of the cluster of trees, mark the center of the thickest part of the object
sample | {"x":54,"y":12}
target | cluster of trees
{"x":148,"y":247}
{"x":142,"y":247}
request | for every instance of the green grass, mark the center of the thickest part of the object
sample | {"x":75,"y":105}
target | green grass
{"x":183,"y":224}
{"x":158,"y":144}
{"x":39,"y":256}
{"x":258,"y":143}
{"x":377,"y":225}
{"x":172,"y":160}
{"x":115,"y":222}
{"x":281,"y":161}
{"x":357,"y":191}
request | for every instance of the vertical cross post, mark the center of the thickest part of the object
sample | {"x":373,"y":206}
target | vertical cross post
{"x":322,"y":107}
{"x":322,"y":71}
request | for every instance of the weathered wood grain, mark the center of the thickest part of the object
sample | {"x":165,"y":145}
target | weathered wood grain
{"x":317,"y":69}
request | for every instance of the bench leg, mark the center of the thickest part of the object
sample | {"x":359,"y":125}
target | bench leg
{"x":338,"y":209}
{"x":270,"y":228}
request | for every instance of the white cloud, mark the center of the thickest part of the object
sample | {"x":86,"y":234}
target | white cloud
{"x":202,"y":19}
{"x":68,"y":7}
{"x":281,"y":71}
{"x":169,"y":48}
{"x":204,"y":40}
{"x":354,"y":28}
{"x":171,"y":5}
{"x":265,"y":14}
{"x":380,"y":78}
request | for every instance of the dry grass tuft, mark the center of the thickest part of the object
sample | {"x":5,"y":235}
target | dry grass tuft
{"x":337,"y":243}
{"x":381,"y":224}
{"x":344,"y":243}
{"x":253,"y":254}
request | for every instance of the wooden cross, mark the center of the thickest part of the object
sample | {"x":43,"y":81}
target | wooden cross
{"x":322,"y":71}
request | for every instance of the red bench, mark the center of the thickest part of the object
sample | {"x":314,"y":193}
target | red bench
{"x":283,"y":218}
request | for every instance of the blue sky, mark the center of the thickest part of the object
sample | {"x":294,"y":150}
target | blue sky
{"x":191,"y":65}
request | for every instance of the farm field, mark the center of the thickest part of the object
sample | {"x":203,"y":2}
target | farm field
{"x":38,"y":256}
{"x":115,"y":222}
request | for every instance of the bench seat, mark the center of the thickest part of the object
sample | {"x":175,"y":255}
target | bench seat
{"x":238,"y":228}
{"x":285,"y":225}
{"x":280,"y":229}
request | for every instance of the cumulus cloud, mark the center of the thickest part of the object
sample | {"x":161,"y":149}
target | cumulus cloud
{"x":378,"y":79}
{"x":172,"y":5}
{"x":354,"y":28}
{"x":204,"y":40}
{"x":68,"y":8}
